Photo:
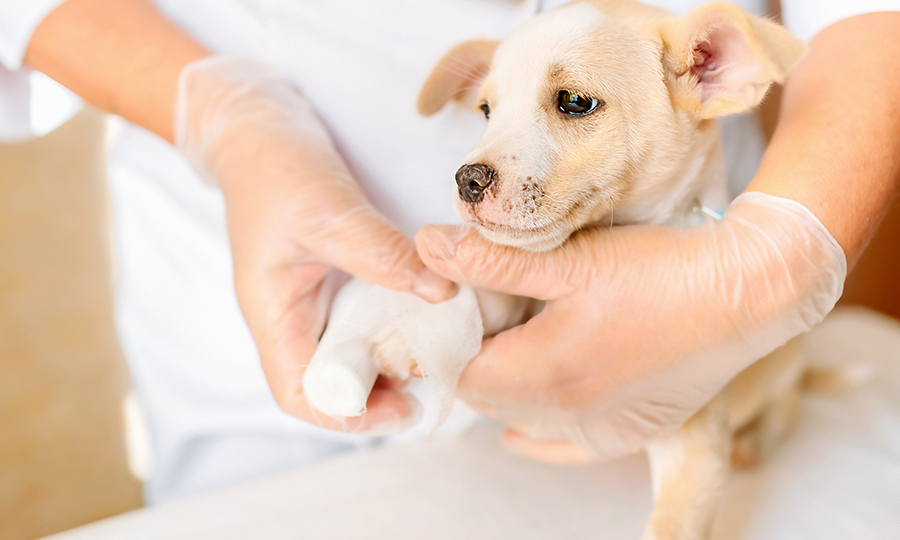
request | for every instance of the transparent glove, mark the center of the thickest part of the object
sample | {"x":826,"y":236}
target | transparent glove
{"x":295,"y":215}
{"x":643,"y":325}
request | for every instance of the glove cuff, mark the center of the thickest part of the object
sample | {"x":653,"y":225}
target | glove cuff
{"x":220,"y":93}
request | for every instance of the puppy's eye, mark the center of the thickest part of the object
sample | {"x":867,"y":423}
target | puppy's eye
{"x":576,"y":104}
{"x":486,"y":110}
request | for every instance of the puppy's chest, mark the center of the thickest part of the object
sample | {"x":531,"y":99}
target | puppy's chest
{"x":697,"y":192}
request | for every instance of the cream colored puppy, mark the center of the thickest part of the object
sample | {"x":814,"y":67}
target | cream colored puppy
{"x":604,"y":112}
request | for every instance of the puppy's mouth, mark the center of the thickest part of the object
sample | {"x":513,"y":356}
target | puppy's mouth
{"x":530,"y":239}
{"x":532,"y":221}
{"x":501,"y":228}
{"x":551,"y":233}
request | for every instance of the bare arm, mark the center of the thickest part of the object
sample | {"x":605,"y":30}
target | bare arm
{"x":836,"y":148}
{"x":122,"y":56}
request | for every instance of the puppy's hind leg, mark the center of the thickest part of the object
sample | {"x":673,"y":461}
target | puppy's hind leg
{"x":689,"y":469}
{"x":752,"y":443}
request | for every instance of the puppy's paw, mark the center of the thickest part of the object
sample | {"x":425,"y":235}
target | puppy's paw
{"x":390,"y":351}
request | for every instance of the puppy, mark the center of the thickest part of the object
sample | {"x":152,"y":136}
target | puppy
{"x":604,"y":112}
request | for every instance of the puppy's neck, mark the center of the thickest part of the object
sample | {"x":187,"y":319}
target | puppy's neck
{"x":696,"y":179}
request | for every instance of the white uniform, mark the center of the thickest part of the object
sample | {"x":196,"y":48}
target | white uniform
{"x":212,"y":418}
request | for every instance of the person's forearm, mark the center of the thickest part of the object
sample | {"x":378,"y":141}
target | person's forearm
{"x":122,"y":56}
{"x":836,"y":148}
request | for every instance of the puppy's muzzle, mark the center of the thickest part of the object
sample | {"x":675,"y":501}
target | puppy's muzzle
{"x":472,"y":180}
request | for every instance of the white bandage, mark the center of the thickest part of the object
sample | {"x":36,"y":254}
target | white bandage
{"x":442,"y":338}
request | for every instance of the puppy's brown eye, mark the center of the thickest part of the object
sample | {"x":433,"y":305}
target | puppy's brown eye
{"x":575,"y":104}
{"x":486,"y":110}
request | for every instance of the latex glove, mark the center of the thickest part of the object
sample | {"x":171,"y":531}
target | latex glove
{"x":643,"y":325}
{"x":295,"y":214}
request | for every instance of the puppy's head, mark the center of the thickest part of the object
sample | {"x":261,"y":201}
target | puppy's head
{"x":594,"y":105}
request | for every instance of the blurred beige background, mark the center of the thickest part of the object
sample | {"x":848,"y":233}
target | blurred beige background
{"x":62,"y":381}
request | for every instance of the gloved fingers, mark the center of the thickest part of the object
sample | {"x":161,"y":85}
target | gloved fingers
{"x":286,"y":311}
{"x":314,"y":202}
{"x":523,"y":365}
{"x":318,"y":210}
{"x":285,"y":355}
{"x":360,"y":242}
{"x":463,"y":255}
{"x":387,"y":411}
{"x":556,"y":452}
{"x":523,"y":428}
{"x":384,"y":382}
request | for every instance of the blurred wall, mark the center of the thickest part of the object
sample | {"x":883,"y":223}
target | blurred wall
{"x":62,"y":380}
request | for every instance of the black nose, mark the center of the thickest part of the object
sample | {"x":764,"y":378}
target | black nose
{"x":472,"y":180}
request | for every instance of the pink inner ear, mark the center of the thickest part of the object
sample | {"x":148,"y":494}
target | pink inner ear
{"x":472,"y":71}
{"x":724,"y":64}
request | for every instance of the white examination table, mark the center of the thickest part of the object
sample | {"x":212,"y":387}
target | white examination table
{"x":837,"y":477}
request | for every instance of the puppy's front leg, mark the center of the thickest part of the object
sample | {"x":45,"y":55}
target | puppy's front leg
{"x":500,"y":311}
{"x":689,"y":469}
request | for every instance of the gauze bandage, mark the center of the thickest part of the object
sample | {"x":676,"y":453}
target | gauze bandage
{"x":442,"y":339}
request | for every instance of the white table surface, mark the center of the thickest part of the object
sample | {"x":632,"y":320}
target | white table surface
{"x":837,"y":477}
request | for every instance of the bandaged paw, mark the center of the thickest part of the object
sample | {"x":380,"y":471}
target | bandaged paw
{"x":375,"y":330}
{"x":391,"y":351}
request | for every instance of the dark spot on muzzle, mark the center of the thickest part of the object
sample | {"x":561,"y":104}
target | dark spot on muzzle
{"x":472,"y":180}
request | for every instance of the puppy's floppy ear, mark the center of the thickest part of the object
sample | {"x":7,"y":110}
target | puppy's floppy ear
{"x":720,"y":60}
{"x":457,"y":75}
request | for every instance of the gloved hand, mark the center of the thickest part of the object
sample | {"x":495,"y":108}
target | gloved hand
{"x":643,"y":325}
{"x":295,"y":215}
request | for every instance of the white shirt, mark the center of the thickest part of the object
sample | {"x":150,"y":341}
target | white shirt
{"x":360,"y":63}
